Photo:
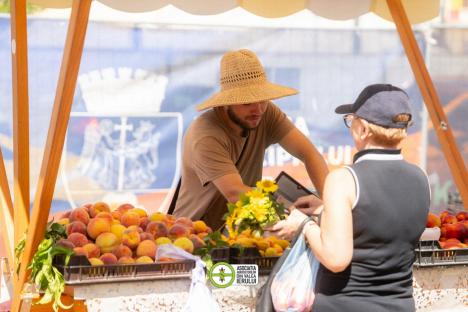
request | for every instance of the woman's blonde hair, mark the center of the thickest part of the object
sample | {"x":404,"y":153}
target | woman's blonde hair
{"x":389,"y":137}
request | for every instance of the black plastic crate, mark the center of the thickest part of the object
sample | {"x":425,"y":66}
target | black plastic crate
{"x":429,"y":253}
{"x":221,"y":254}
{"x":252,"y":256}
{"x":80,"y":271}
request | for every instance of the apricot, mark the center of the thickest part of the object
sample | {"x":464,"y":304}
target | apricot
{"x":158,"y":216}
{"x":245,"y":242}
{"x":432,"y":220}
{"x":131,"y":238}
{"x":118,"y":230}
{"x":95,"y":261}
{"x":80,"y":251}
{"x":97,"y":208}
{"x":261,"y":244}
{"x":116,"y":215}
{"x":278,"y":248}
{"x":283,"y":243}
{"x":184,"y":243}
{"x":140,"y":212}
{"x":146,"y":248}
{"x":92,"y":250}
{"x":144,"y":259}
{"x":157,"y":229}
{"x":177,"y":230}
{"x":197,"y":241}
{"x":79,"y":214}
{"x":107,"y":242}
{"x":124,"y":208}
{"x":200,"y":226}
{"x":126,"y":260}
{"x":130,"y":218}
{"x":76,"y":227}
{"x":122,"y":251}
{"x":163,"y":241}
{"x":146,"y":236}
{"x":108,"y":258}
{"x":78,"y":239}
{"x":144,"y":223}
{"x":271,"y":252}
{"x":135,"y":228}
{"x":65,"y":243}
{"x":105,"y":215}
{"x":97,"y":226}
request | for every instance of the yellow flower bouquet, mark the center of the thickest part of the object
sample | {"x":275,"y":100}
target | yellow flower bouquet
{"x":255,"y":210}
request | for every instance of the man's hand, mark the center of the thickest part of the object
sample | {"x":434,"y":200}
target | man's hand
{"x":286,"y":229}
{"x":308,"y":205}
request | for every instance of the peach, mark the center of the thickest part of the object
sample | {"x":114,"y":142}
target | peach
{"x":76,"y":227}
{"x":443,"y":214}
{"x":432,"y":220}
{"x":95,"y":261}
{"x":146,"y":236}
{"x":65,"y":243}
{"x":184,"y":243}
{"x":146,"y":248}
{"x":124,"y":208}
{"x":157,"y":229}
{"x":118,"y":230}
{"x":126,"y":260}
{"x":105,"y":215}
{"x":78,"y":239}
{"x":122,"y":251}
{"x":184,"y":221}
{"x":64,"y":221}
{"x":66,"y":214}
{"x":166,"y":259}
{"x":163,"y":240}
{"x":116,"y":215}
{"x":80,"y":251}
{"x":144,"y":259}
{"x":97,"y":208}
{"x":130,"y":218}
{"x":116,"y":221}
{"x":200,"y":226}
{"x":92,"y":250}
{"x":108,"y":258}
{"x":97,"y":226}
{"x":197,"y":241}
{"x":107,"y":242}
{"x":157,"y":216}
{"x":87,"y":207}
{"x":457,"y":231}
{"x":144,"y":223}
{"x":140,"y":212}
{"x":449,"y":220}
{"x":462,"y":215}
{"x":131,"y":238}
{"x":79,"y":214}
{"x":178,"y":230}
{"x":135,"y":228}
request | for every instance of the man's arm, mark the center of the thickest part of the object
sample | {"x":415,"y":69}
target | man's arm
{"x":231,"y":186}
{"x":297,"y":144}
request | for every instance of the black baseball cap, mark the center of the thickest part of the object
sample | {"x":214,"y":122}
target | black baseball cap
{"x":380,"y":104}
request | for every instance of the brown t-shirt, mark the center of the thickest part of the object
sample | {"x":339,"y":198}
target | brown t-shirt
{"x":211,"y":150}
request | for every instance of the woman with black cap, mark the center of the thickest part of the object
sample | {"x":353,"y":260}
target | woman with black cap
{"x":373,"y":212}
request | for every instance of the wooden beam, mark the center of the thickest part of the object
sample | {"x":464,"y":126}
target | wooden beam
{"x":56,"y":135}
{"x":431,"y":99}
{"x":6,"y":213}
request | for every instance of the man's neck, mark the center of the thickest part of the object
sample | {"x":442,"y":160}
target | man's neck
{"x":231,"y":124}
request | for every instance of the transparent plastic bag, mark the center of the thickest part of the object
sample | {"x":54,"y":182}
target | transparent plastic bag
{"x":292,"y":289}
{"x":200,"y":297}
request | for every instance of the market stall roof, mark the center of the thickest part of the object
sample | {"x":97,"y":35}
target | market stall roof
{"x":417,"y":10}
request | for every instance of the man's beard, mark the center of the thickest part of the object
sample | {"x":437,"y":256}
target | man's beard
{"x":245,"y":127}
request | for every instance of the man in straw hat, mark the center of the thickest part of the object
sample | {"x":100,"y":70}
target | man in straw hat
{"x":224,"y":147}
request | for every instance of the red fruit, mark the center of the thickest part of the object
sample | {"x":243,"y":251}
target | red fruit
{"x":432,"y":220}
{"x":462,"y":215}
{"x":449,"y":220}
{"x":457,"y":231}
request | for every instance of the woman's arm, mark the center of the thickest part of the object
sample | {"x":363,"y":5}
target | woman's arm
{"x":332,"y":242}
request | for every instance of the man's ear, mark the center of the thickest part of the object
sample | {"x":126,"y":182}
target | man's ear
{"x":365,"y":130}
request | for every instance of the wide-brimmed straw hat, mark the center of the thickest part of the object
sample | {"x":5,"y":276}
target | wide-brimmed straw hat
{"x":243,"y":81}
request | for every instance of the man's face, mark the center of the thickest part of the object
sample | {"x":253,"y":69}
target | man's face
{"x":248,"y":116}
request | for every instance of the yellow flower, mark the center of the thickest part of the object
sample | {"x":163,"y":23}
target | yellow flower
{"x":254,"y":194}
{"x":267,"y":186}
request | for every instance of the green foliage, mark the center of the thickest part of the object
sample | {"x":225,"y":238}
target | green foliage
{"x":30,"y":8}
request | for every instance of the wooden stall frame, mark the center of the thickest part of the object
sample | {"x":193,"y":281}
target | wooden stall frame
{"x":64,"y":97}
{"x":55,"y":137}
{"x":6,"y":212}
{"x":431,"y":99}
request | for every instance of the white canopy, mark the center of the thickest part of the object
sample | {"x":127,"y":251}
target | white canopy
{"x":417,"y":10}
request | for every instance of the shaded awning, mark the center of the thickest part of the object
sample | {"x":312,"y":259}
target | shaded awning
{"x":417,"y":10}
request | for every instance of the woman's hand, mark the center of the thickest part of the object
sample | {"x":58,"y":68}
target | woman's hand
{"x":286,"y":229}
{"x":309,"y":205}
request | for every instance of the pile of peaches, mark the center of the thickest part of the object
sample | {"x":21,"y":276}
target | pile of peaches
{"x":127,"y":235}
{"x":453,"y":228}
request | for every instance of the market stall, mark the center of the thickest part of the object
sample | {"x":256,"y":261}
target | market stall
{"x":401,"y":12}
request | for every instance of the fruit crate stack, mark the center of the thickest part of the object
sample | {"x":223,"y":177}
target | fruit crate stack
{"x":430,"y":253}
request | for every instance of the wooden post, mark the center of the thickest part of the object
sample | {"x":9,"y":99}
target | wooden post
{"x":6,"y":213}
{"x":56,"y":136}
{"x":431,"y":99}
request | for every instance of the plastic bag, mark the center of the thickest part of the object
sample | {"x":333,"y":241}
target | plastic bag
{"x":200,"y":297}
{"x":292,"y":288}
